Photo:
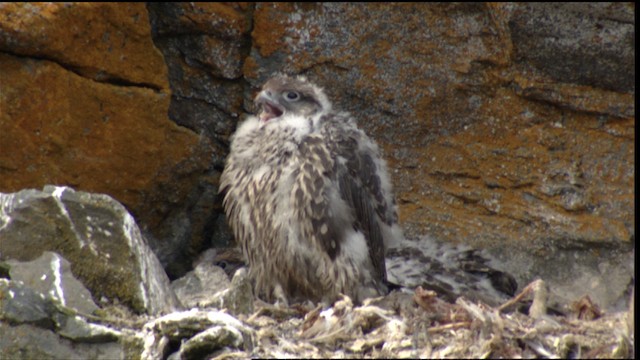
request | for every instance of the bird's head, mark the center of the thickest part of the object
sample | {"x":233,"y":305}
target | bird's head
{"x":283,"y":95}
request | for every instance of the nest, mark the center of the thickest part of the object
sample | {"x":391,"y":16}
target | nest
{"x":420,"y":325}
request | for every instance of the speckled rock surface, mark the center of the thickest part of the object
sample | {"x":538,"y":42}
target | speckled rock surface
{"x":51,"y":274}
{"x":97,"y":236}
{"x":200,"y":285}
{"x":34,"y":325}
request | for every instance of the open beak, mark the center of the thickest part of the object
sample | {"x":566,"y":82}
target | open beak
{"x":270,"y":109}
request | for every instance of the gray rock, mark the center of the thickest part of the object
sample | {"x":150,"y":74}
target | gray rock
{"x":239,"y":298}
{"x":180,"y":326}
{"x":51,"y":274}
{"x":96,"y":234}
{"x":588,"y":43}
{"x":27,"y":315}
{"x":30,"y":342}
{"x":605,"y":275}
{"x":208,"y":285}
{"x":22,"y":305}
{"x":80,"y":330}
{"x":200,"y":285}
{"x":210,"y":340}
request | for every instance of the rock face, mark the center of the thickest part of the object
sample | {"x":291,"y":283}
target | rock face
{"x":47,"y":312}
{"x":84,"y":98}
{"x":498,"y":135}
{"x":96,"y":235}
{"x":51,"y":274}
{"x":37,"y":326}
{"x":508,"y":127}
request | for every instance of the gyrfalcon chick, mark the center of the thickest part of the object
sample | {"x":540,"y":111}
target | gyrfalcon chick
{"x":308,"y":198}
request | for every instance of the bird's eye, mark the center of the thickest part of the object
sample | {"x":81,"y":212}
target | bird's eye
{"x":291,"y":95}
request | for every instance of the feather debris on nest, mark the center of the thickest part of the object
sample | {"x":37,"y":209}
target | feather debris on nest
{"x":344,"y":322}
{"x":414,"y":325}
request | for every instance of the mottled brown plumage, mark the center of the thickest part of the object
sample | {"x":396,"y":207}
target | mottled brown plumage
{"x":308,"y":198}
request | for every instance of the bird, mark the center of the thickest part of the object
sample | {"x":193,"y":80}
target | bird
{"x":308,"y":198}
{"x":451,"y":270}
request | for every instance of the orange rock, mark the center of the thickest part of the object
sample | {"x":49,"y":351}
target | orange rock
{"x":57,"y":127}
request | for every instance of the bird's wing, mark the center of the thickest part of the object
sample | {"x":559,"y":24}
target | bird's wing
{"x":311,"y":196}
{"x":360,"y":188}
{"x":357,"y":170}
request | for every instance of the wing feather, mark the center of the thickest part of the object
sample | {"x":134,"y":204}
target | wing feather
{"x":358,"y":175}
